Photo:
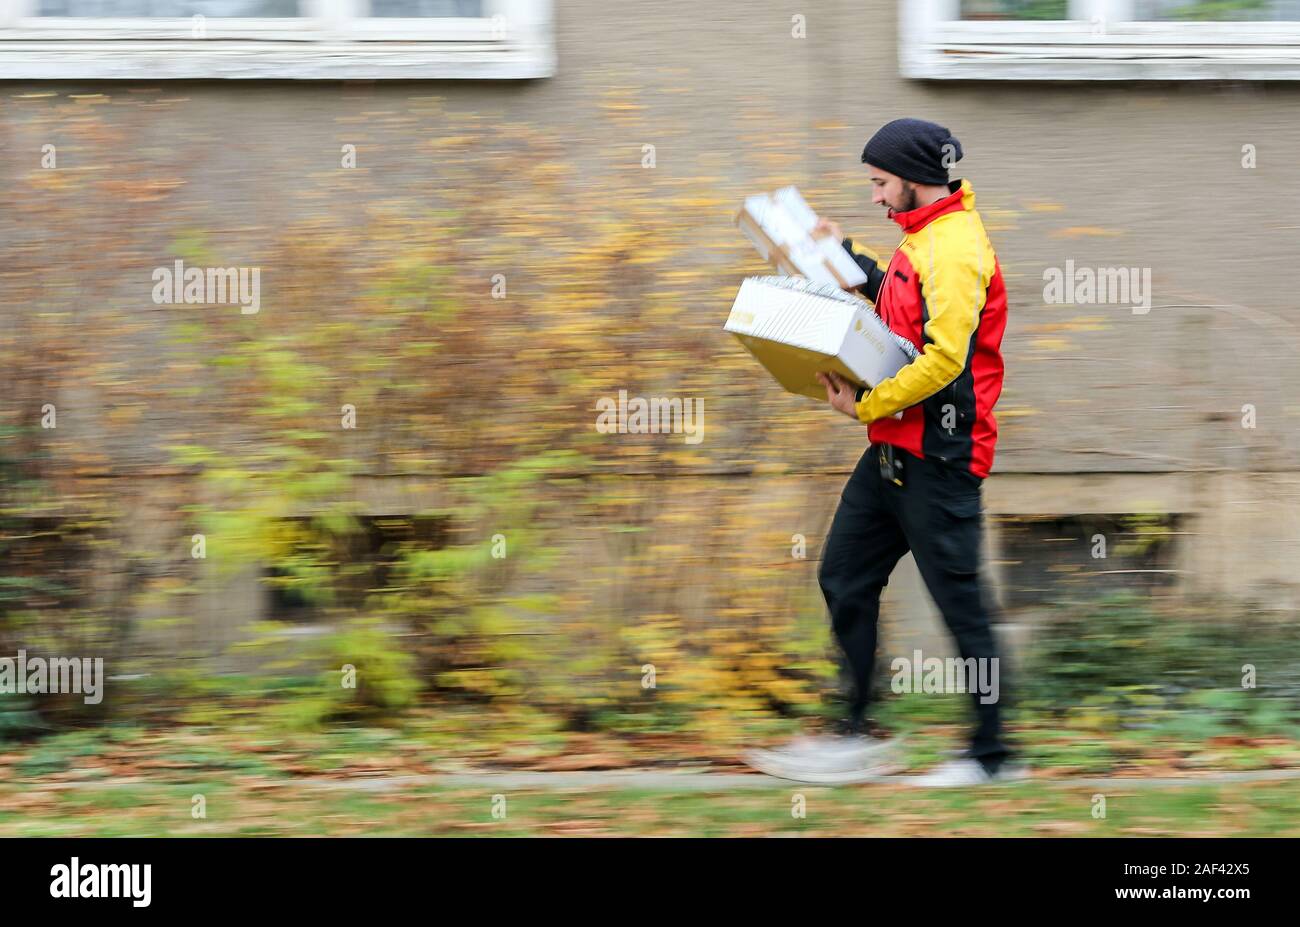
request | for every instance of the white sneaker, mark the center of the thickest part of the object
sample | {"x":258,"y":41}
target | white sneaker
{"x":967,"y":771}
{"x":827,"y":759}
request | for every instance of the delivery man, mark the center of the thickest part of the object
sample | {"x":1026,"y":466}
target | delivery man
{"x":918,"y":486}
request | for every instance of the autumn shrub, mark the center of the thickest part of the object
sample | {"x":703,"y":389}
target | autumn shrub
{"x":1126,"y":660}
{"x":464,"y":317}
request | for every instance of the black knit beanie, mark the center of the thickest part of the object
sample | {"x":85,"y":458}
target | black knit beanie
{"x":914,"y":150}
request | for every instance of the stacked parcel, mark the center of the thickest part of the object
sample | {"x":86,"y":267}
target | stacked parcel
{"x":796,"y":328}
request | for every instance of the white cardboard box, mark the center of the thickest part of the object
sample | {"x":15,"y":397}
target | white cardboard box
{"x":780,"y":226}
{"x":796,"y":328}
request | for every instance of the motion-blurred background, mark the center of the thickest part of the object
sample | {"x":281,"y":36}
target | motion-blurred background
{"x":470,"y":222}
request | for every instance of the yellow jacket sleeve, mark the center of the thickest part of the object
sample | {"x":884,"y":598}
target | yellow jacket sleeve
{"x":954,"y":283}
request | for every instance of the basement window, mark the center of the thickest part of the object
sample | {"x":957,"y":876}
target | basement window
{"x":326,"y":572}
{"x":1100,"y":39}
{"x":261,"y":39}
{"x":1044,"y":558}
{"x":50,"y":566}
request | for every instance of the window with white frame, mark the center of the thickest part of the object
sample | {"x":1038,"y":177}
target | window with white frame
{"x":323,"y":39}
{"x":1100,"y":39}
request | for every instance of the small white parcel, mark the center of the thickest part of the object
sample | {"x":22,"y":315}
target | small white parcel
{"x":780,"y":225}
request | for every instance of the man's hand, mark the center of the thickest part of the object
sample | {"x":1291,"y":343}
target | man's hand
{"x":828,"y":227}
{"x":840,"y":393}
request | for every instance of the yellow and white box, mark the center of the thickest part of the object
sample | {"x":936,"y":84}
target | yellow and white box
{"x":780,"y":225}
{"x":796,"y":328}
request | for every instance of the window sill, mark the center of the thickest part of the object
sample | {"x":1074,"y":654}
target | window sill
{"x":1116,"y":63}
{"x":258,"y":59}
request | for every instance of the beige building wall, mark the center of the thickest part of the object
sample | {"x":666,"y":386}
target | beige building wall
{"x":1105,"y":410}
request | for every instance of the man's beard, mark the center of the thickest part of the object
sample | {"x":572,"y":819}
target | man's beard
{"x":907,"y":202}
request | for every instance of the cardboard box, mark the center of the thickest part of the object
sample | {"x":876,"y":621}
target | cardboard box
{"x":796,"y":328}
{"x":780,"y":225}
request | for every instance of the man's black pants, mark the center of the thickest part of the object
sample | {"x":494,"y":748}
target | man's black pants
{"x":936,"y":514}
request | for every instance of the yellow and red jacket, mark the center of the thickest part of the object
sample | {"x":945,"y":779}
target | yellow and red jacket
{"x":943,"y":290}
